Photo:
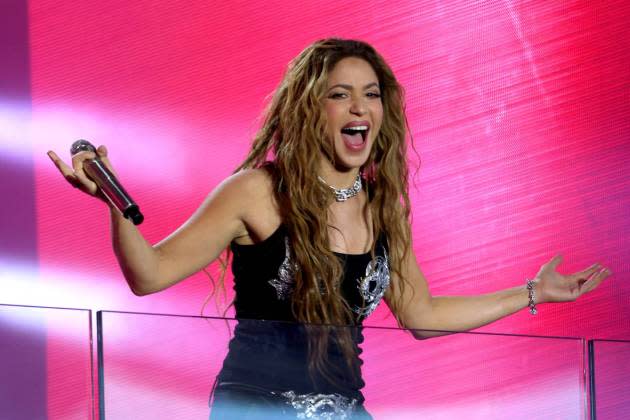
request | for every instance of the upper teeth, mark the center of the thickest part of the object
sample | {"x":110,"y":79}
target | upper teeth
{"x":357,"y":128}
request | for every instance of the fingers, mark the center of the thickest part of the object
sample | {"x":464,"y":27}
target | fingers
{"x":101,"y":151}
{"x":65,"y":170}
{"x":75,"y":174}
{"x":77,"y":163}
{"x":553,"y":263}
{"x":58,"y":162}
{"x":595,"y":269}
{"x":595,"y":280}
{"x":78,"y":159}
{"x":588,"y":272}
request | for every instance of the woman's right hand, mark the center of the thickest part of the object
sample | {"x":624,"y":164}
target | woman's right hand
{"x":76,"y":176}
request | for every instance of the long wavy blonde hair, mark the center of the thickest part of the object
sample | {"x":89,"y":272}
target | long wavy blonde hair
{"x":294,"y":132}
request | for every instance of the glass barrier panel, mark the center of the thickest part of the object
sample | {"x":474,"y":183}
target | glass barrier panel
{"x":610,"y":370}
{"x":166,"y":367}
{"x":46,"y":363}
{"x":473,"y":376}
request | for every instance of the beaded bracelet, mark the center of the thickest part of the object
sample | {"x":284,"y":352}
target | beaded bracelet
{"x":532,"y":297}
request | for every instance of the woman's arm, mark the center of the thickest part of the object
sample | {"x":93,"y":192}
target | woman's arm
{"x":194,"y":245}
{"x":421,"y":311}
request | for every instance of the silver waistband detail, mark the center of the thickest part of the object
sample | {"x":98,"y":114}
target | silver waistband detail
{"x":320,"y":406}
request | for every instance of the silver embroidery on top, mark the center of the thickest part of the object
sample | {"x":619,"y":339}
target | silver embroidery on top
{"x":320,"y":406}
{"x":372,"y":287}
{"x":284,"y":283}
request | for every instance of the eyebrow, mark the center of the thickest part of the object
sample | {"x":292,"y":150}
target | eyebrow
{"x":349,"y":87}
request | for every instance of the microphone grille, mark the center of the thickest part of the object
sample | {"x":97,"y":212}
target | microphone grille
{"x":81,"y":146}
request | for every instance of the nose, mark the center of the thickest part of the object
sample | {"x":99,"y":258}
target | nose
{"x":358,"y":106}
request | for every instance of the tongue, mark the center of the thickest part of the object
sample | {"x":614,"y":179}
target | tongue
{"x":353,"y":139}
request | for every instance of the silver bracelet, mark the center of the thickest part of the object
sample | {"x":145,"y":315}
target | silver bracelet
{"x":532,"y":297}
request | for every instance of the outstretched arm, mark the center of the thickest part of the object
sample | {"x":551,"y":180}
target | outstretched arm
{"x":421,"y":311}
{"x":191,"y":247}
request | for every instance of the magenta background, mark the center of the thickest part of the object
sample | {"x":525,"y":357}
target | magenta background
{"x":519,"y":112}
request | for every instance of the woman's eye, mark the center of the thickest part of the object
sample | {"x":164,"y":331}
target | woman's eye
{"x":374,"y":95}
{"x":338,"y":95}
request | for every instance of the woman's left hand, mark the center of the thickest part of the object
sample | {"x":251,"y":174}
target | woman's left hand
{"x":552,"y":286}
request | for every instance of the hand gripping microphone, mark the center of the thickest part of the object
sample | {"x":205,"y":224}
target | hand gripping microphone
{"x":107,"y":183}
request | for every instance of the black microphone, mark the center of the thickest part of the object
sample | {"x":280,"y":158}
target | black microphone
{"x":107,"y":182}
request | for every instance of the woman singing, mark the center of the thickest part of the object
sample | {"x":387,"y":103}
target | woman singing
{"x":317,"y":220}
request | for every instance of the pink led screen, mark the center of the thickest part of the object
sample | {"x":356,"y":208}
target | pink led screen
{"x":518,"y":111}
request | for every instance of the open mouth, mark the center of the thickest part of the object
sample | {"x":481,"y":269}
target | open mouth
{"x":354,"y":134}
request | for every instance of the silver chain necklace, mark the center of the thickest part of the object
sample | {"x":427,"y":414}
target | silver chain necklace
{"x":343,"y":194}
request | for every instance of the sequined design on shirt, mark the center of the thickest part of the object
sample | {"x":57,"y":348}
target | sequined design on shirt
{"x":320,"y":406}
{"x":372,"y":287}
{"x":284,"y":283}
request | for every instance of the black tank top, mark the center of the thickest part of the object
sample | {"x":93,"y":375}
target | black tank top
{"x":263,"y":278}
{"x":273,"y":354}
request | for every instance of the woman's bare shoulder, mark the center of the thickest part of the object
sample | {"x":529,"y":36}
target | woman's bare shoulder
{"x":259,"y":210}
{"x":254,"y":175}
{"x":251,"y":183}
